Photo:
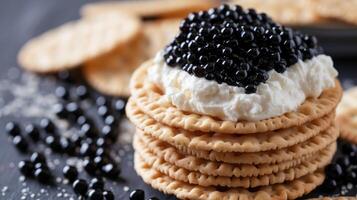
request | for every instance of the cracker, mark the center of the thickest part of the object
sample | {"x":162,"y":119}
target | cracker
{"x":337,"y":9}
{"x":111,"y":72}
{"x":159,"y":33}
{"x":182,"y":190}
{"x":197,"y":178}
{"x":149,"y":9}
{"x":170,"y":154}
{"x":309,"y":147}
{"x":75,"y":42}
{"x":152,"y":101}
{"x":290,"y":12}
{"x":226,"y":142}
{"x":165,"y":154}
{"x":347,"y":115}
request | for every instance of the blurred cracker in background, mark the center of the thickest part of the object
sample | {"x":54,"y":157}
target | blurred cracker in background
{"x":149,"y":8}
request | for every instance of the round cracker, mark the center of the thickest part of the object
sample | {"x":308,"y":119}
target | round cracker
{"x":347,"y":115}
{"x":151,"y":100}
{"x":306,"y":148}
{"x":159,"y":33}
{"x":272,"y":140}
{"x":337,"y":9}
{"x":299,"y":12}
{"x":110,"y":73}
{"x":149,"y":8}
{"x":181,"y":174}
{"x":182,"y":190}
{"x":166,"y":153}
{"x":75,"y":42}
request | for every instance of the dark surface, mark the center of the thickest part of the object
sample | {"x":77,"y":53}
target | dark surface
{"x":19,"y":21}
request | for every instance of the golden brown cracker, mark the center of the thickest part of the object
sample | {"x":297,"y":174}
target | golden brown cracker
{"x":290,"y":12}
{"x":75,"y":42}
{"x":182,"y":190}
{"x":308,"y":147}
{"x":170,"y":154}
{"x":149,"y":8}
{"x":197,"y":178}
{"x":227,"y":142}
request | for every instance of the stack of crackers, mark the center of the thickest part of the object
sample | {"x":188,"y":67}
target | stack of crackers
{"x":196,"y":156}
{"x":109,"y":42}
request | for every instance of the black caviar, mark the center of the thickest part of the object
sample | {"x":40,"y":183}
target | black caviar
{"x":238,"y":47}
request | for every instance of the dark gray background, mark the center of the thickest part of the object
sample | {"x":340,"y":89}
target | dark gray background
{"x":22,"y":19}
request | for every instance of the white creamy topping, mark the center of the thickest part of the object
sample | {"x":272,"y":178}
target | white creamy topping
{"x":282,"y":92}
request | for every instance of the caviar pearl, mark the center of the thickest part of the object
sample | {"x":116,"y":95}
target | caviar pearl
{"x":111,"y":171}
{"x":108,"y":195}
{"x":236,"y":37}
{"x":80,"y":187}
{"x":95,"y":195}
{"x":47,"y":125}
{"x":12,"y":128}
{"x":20,"y":143}
{"x":32,"y":132}
{"x":26,"y":168}
{"x":137,"y":195}
{"x":90,"y":167}
{"x":43,"y":175}
{"x":70,"y":172}
{"x":97,"y":184}
{"x":37,"y":157}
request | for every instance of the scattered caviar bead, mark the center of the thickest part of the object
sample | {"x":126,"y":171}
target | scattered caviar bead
{"x":54,"y":143}
{"x":100,"y":161}
{"x":32,"y":132}
{"x":70,"y":172}
{"x":109,"y":133}
{"x":97,"y":184}
{"x":74,"y":110}
{"x":111,"y":171}
{"x":80,"y":187}
{"x":60,"y":111}
{"x":26,"y":168}
{"x":119,"y":105}
{"x":13,"y":129}
{"x":228,"y":36}
{"x":47,"y":125}
{"x":102,"y":142}
{"x":101,"y":101}
{"x":88,"y":131}
{"x":110,"y":120}
{"x":20,"y":143}
{"x":43,"y":175}
{"x":95,"y":195}
{"x":137,"y":195}
{"x":87,"y":149}
{"x":41,"y":166}
{"x":82,"y":92}
{"x":108,"y":195}
{"x":62,"y":92}
{"x":68,"y":146}
{"x":103,"y":111}
{"x":90,"y":167}
{"x":37,"y":157}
